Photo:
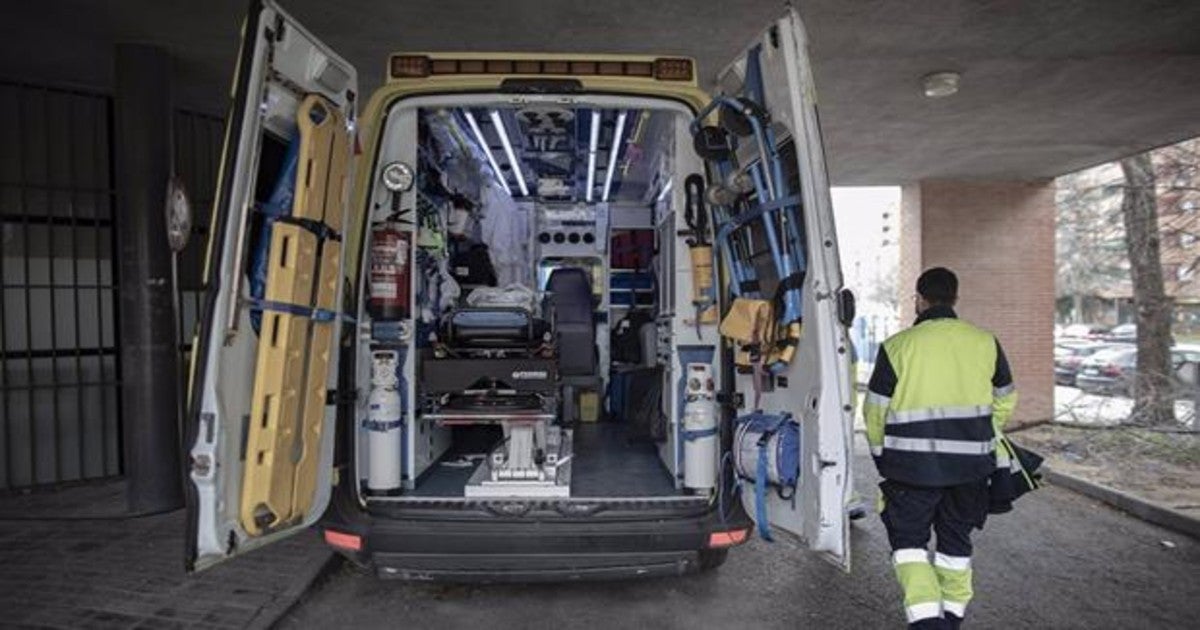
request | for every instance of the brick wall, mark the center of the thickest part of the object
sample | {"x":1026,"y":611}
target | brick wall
{"x":998,"y":236}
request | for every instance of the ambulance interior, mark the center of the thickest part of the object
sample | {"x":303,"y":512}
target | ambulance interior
{"x":532,"y":350}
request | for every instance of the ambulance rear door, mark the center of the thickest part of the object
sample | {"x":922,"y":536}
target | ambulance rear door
{"x":260,"y":422}
{"x":815,"y":386}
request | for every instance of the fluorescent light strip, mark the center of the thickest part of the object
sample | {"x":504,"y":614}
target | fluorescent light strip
{"x":592,"y":142}
{"x":486,"y":149}
{"x":508,"y":150}
{"x":612,"y":155}
{"x":666,"y":189}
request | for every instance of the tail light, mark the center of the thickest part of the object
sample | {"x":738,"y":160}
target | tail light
{"x":349,"y":542}
{"x":1111,"y":370}
{"x":727,"y":539}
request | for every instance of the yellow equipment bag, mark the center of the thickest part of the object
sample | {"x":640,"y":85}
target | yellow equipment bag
{"x":751,"y":323}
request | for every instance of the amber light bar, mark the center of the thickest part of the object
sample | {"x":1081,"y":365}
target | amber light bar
{"x":662,"y":69}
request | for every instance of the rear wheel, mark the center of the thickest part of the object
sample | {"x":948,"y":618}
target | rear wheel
{"x":712,"y":558}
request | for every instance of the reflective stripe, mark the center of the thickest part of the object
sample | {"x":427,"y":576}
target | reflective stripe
{"x":938,"y":413}
{"x":1001,"y":392}
{"x":931,"y":445}
{"x":904,"y":556}
{"x":954,"y":563}
{"x":958,"y":609}
{"x":877,"y":399}
{"x":877,"y":451}
{"x":917,"y":612}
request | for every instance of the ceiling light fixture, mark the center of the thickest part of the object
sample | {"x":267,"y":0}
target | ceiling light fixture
{"x":612,"y":155}
{"x":940,"y":84}
{"x":592,"y":142}
{"x":486,"y":149}
{"x":508,"y":150}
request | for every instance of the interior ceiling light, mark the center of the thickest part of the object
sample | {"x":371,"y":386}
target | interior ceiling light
{"x":940,"y":84}
{"x":592,"y":142}
{"x":508,"y":150}
{"x":486,"y":149}
{"x":666,"y":189}
{"x":612,"y":156}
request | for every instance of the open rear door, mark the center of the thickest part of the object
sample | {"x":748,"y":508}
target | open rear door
{"x":815,"y":385}
{"x":260,"y":423}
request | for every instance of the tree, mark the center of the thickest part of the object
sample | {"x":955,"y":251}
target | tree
{"x":1091,"y":255}
{"x":1153,"y":396}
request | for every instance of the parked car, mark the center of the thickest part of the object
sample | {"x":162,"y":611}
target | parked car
{"x":1108,"y":372}
{"x":1123,"y":332}
{"x":1084,"y":331}
{"x":1113,"y":371}
{"x":1068,"y":355}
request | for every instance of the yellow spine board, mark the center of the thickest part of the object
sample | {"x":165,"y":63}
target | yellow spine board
{"x":288,"y":405}
{"x":278,"y":381}
{"x":313,"y":422}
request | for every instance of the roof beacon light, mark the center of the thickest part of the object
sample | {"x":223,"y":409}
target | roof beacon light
{"x":508,"y":150}
{"x":612,"y":155}
{"x":592,"y":142}
{"x":486,"y":149}
{"x":666,"y":190}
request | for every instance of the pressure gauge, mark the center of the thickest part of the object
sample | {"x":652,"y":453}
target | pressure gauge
{"x":398,"y":177}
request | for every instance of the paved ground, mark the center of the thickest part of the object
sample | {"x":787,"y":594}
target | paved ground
{"x":58,"y":571}
{"x":1059,"y":561}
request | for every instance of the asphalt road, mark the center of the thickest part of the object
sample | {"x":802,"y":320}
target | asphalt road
{"x":1058,"y":561}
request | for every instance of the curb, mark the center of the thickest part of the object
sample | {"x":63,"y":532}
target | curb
{"x":1140,"y":508}
{"x":271,"y":614}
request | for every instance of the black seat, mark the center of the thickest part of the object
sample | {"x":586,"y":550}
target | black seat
{"x":569,"y":303}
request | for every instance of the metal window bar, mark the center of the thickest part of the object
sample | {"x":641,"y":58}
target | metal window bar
{"x":56,"y":204}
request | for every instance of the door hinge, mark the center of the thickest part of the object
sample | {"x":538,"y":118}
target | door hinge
{"x":335,"y":397}
{"x":735,"y":400}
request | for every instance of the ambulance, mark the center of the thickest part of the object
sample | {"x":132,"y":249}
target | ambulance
{"x":520,"y":317}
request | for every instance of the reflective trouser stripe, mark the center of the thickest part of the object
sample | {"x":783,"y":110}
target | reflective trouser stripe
{"x":954,"y":580}
{"x":922,"y":595}
{"x":934,"y":445}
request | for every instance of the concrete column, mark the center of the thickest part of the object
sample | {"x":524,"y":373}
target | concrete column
{"x":149,"y":363}
{"x":998,"y":236}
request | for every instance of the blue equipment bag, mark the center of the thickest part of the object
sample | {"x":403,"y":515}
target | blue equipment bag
{"x":766,"y":452}
{"x":278,"y":205}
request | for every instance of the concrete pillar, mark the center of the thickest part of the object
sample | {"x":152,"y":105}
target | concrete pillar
{"x":146,"y":319}
{"x":998,"y":236}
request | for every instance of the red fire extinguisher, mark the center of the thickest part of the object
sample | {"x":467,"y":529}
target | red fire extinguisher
{"x":390,"y":248}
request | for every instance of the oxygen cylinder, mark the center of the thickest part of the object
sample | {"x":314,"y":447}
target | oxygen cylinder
{"x":385,"y":419}
{"x":699,"y":429}
{"x":390,"y":270}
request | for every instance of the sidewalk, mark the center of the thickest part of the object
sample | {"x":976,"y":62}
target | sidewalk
{"x":128,"y":573}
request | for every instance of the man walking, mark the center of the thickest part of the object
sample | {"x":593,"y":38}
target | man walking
{"x":938,"y":398}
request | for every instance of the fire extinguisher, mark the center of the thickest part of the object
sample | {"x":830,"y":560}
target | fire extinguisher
{"x":390,"y":249}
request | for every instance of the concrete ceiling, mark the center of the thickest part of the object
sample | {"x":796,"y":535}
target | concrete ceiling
{"x":1048,"y":87}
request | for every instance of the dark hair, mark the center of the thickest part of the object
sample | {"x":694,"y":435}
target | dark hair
{"x":938,"y":286}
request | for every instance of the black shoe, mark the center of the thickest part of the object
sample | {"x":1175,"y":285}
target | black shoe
{"x":932,"y":623}
{"x":953,"y":622}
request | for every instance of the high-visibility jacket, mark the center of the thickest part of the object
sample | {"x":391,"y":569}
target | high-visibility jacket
{"x":940,"y":394}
